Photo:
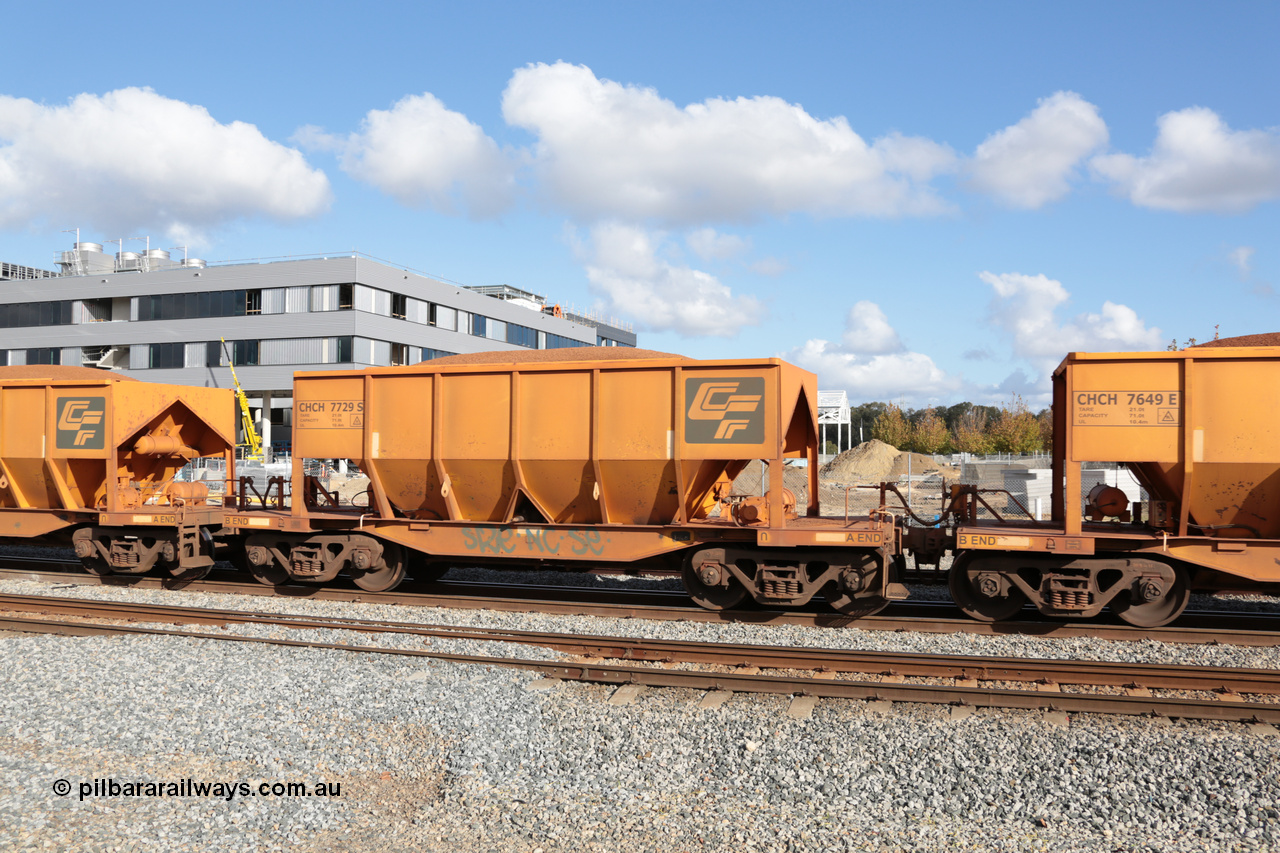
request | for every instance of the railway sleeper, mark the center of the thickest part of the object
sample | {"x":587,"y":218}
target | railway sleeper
{"x":1143,"y":592}
{"x":852,"y":581}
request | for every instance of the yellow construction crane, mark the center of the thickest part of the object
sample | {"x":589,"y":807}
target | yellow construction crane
{"x":253,"y":443}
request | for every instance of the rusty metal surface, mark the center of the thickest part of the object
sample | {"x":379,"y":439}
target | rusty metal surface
{"x":820,"y":687}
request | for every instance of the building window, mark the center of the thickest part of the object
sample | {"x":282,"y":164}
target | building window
{"x":167,"y":355}
{"x":346,"y":297}
{"x":44,"y":355}
{"x":194,"y":306}
{"x":560,"y":342}
{"x":22,"y":314}
{"x":95,"y":310}
{"x":398,"y":301}
{"x":343,"y":350}
{"x":522,"y":336}
{"x":443,"y":317}
{"x":244,"y":352}
{"x":428,"y":354}
{"x":253,"y":302}
{"x":478,"y":325}
{"x":399,"y":354}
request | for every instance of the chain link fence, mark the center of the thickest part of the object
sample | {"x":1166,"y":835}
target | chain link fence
{"x":1026,"y":479}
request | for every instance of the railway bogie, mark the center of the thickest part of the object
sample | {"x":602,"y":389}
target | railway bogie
{"x":853,"y":581}
{"x":372,"y":563}
{"x":994,"y":586}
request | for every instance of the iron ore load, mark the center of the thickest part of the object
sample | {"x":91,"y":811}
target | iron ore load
{"x":626,"y":459}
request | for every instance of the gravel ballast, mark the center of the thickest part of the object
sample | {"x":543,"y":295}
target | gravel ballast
{"x":440,"y":756}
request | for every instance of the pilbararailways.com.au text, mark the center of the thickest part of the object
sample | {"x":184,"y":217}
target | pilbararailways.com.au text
{"x":107,"y":788}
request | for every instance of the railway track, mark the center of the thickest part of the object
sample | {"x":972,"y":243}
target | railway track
{"x":1243,"y":628}
{"x":967,"y":681}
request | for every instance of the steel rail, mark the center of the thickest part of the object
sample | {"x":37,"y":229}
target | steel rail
{"x":58,"y":568}
{"x":979,"y":668}
{"x":1206,"y":709}
{"x":1217,"y":631}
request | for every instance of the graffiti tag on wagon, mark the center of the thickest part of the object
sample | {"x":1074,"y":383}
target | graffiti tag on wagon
{"x":531,"y":540}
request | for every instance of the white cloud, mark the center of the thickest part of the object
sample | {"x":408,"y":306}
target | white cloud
{"x":871,"y":363}
{"x":709,"y":244}
{"x":867,"y":330}
{"x":623,"y":267}
{"x":1031,"y":163}
{"x":1241,"y":257}
{"x":1025,"y":307}
{"x":425,"y":155}
{"x":769,"y":266}
{"x":132,"y":159}
{"x":606,"y":150}
{"x":1199,"y":164}
{"x":910,"y":376}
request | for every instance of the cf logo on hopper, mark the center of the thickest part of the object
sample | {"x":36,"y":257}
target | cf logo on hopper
{"x":80,"y":423}
{"x":730,"y":411}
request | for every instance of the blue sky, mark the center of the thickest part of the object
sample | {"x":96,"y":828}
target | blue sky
{"x":920,"y":202}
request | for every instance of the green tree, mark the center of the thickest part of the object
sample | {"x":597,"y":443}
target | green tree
{"x":1016,"y":430}
{"x":891,"y":427}
{"x":929,"y":433}
{"x":1045,"y":421}
{"x":970,"y":434}
{"x":862,"y":419}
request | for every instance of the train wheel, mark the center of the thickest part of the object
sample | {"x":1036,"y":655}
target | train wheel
{"x":270,"y":574}
{"x":90,"y":557}
{"x":709,"y":583}
{"x":256,"y":556}
{"x":857,"y":607}
{"x":386,"y":573}
{"x":967,"y":592}
{"x":194,"y":574}
{"x":95,"y":565}
{"x":841,"y":594}
{"x":1162,"y":610}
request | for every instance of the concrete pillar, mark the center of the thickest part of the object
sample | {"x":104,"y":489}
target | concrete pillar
{"x":265,"y":429}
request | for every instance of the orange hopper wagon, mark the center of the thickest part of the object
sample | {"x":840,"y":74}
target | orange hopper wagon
{"x":93,"y":455}
{"x":575,"y":457}
{"x":1197,"y":428}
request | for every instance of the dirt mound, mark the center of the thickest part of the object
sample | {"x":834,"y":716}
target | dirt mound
{"x":869,"y":462}
{"x":874,"y":461}
{"x":918,"y":464}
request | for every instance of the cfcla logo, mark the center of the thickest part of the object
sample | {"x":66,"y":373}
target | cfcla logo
{"x":726,"y":410}
{"x":80,"y":422}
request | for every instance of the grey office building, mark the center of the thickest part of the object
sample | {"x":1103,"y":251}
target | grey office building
{"x":162,"y":320}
